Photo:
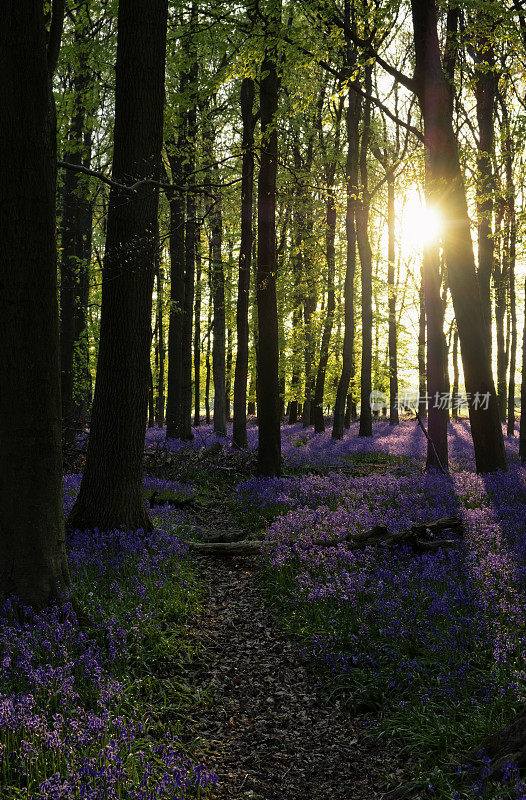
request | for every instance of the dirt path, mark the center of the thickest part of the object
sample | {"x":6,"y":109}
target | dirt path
{"x":267,"y":735}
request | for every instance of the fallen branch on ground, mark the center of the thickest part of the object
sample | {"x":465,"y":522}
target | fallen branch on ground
{"x":419,"y":537}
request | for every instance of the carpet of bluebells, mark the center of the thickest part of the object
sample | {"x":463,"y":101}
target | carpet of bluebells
{"x":71,"y":722}
{"x":435,"y":644}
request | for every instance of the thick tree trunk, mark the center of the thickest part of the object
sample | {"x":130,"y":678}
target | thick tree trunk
{"x":269,"y":449}
{"x":110,"y":494}
{"x":434,"y":98}
{"x":245,"y":256}
{"x":33,"y":563}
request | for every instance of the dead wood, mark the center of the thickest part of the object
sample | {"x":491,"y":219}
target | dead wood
{"x":419,"y":537}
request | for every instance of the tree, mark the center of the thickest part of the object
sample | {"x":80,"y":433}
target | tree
{"x":110,"y":494}
{"x":269,"y":450}
{"x":245,"y":255}
{"x":432,"y":89}
{"x":33,"y":563}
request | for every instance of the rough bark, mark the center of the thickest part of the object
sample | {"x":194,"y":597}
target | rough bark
{"x":434,"y":98}
{"x":110,"y":494}
{"x":239,"y":434}
{"x":269,"y":449}
{"x":33,"y":563}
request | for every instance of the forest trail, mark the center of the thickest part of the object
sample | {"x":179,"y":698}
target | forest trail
{"x":267,"y":734}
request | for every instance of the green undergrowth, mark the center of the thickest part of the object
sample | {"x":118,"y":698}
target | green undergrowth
{"x":431,"y":731}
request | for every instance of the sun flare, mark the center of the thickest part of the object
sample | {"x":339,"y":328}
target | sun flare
{"x":419,"y":224}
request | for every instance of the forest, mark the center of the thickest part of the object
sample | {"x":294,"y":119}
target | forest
{"x":263,"y":400}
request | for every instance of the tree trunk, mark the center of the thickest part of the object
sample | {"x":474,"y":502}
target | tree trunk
{"x":434,"y":97}
{"x":391,"y":292}
{"x":269,"y":449}
{"x":160,"y":345}
{"x":73,"y":235}
{"x":218,"y":325}
{"x":197,"y":329}
{"x":437,"y":454}
{"x":485,"y":92}
{"x":110,"y":494}
{"x":33,"y":563}
{"x":511,"y":246}
{"x":422,"y":376}
{"x":455,"y":394}
{"x":364,"y":249}
{"x":522,"y":429}
{"x":245,"y":256}
{"x":175,"y":320}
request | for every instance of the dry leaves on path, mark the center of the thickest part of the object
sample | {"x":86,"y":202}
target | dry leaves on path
{"x":267,"y":734}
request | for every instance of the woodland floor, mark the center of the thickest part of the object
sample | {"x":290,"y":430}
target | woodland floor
{"x":269,"y":734}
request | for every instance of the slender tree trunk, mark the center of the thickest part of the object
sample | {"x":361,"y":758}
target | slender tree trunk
{"x":245,"y":255}
{"x":437,"y":453}
{"x":434,"y":98}
{"x":455,"y":392}
{"x":269,"y":449}
{"x":110,"y":494}
{"x":485,"y":93}
{"x":175,"y":320}
{"x":364,"y":249}
{"x":522,"y":430}
{"x":218,"y":325}
{"x":391,"y":291}
{"x":197,"y":329}
{"x":422,"y":376}
{"x":351,"y":180}
{"x":319,"y":422}
{"x":510,"y":250}
{"x":73,"y":235}
{"x":228,"y":324}
{"x":209,"y":329}
{"x":160,"y":345}
{"x":33,"y":563}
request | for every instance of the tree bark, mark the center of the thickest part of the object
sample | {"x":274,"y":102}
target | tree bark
{"x":110,"y":494}
{"x":269,"y":449}
{"x":391,"y":302}
{"x":245,"y":256}
{"x":434,"y":98}
{"x":197,"y":328}
{"x":364,"y":249}
{"x":175,"y":319}
{"x":218,"y":324}
{"x":75,"y":241}
{"x":522,"y":429}
{"x":33,"y":563}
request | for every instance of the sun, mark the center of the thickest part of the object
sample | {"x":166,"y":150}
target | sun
{"x":419,"y":225}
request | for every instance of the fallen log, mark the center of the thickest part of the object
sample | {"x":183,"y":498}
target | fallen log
{"x":419,"y":537}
